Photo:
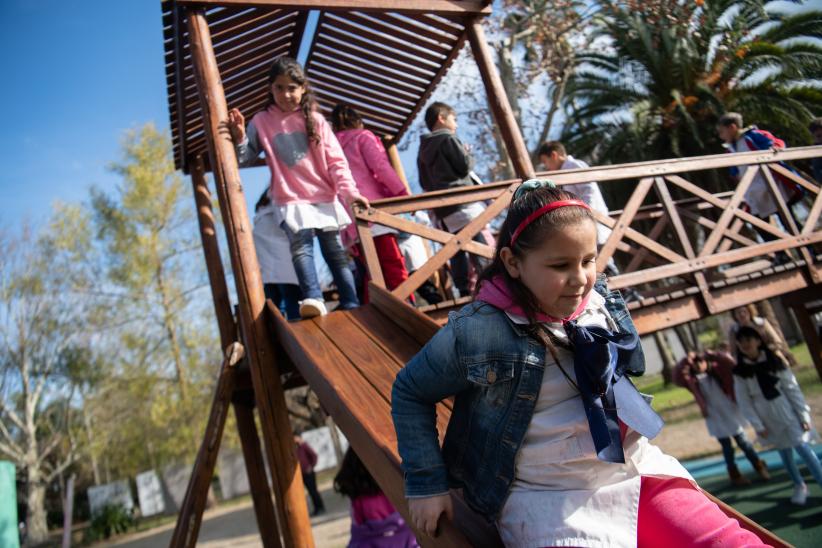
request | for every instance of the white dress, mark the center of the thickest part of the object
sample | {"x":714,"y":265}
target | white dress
{"x":271,"y":244}
{"x":782,"y":416}
{"x":724,"y":418}
{"x":562,"y":494}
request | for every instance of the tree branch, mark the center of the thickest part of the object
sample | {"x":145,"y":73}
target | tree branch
{"x":12,"y":415}
{"x":11,"y":452}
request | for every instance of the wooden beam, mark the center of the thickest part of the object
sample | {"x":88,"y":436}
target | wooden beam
{"x":682,"y":234}
{"x":390,"y":144}
{"x":270,"y":398}
{"x":623,"y":223}
{"x":453,"y":245}
{"x":809,"y":331}
{"x":712,"y":261}
{"x":498,"y":99}
{"x":463,"y":7}
{"x":211,"y":250}
{"x":191,"y":511}
{"x":257,"y":477}
{"x":425,"y":231}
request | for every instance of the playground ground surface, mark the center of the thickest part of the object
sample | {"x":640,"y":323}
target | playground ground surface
{"x":685,"y":436}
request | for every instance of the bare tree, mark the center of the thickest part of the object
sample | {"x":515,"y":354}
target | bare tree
{"x":41,"y":347}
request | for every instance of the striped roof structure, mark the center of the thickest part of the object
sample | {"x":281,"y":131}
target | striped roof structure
{"x":383,"y":57}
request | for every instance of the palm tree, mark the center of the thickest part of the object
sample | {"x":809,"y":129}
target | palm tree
{"x":662,"y":71}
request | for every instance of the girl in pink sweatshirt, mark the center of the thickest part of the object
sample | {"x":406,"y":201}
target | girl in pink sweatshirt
{"x":309,"y":176}
{"x":375,"y":178}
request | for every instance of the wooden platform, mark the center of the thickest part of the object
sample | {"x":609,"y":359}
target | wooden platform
{"x":350,"y":359}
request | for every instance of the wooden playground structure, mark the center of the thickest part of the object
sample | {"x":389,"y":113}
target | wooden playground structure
{"x":688,"y":251}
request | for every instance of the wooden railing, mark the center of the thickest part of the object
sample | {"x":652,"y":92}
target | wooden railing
{"x":688,"y":252}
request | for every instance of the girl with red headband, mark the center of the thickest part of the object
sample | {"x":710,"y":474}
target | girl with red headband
{"x":548,"y":437}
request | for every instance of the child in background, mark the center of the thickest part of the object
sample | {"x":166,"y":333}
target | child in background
{"x":548,"y":436}
{"x":309,"y":173}
{"x":708,"y":376}
{"x":375,"y":179}
{"x":375,"y":523}
{"x":443,"y":162}
{"x":746,"y":315}
{"x":771,"y":400}
{"x":274,"y":256}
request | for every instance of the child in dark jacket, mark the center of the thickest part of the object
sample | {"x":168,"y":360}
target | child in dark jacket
{"x":444,"y":162}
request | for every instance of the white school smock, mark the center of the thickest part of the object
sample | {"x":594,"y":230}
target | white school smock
{"x":562,"y":494}
{"x":273,"y":250}
{"x":782,"y":416}
{"x":724,"y":418}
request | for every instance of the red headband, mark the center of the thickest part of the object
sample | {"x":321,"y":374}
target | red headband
{"x":542,"y":211}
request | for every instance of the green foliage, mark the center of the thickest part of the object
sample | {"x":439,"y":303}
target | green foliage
{"x":111,"y":520}
{"x":663,"y":71}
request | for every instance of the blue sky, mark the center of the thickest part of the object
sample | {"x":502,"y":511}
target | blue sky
{"x":78,"y":75}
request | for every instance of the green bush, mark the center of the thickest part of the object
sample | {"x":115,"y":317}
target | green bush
{"x":111,"y":520}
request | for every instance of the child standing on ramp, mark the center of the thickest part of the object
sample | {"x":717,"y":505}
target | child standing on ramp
{"x":309,"y":173}
{"x":548,"y":437}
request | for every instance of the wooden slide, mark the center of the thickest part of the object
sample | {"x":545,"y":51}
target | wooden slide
{"x":350,"y":359}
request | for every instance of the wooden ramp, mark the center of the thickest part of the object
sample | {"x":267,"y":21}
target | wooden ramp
{"x":350,"y":359}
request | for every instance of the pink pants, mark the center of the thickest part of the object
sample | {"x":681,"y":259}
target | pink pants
{"x":672,"y":512}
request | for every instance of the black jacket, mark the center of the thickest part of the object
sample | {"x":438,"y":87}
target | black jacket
{"x":443,"y":163}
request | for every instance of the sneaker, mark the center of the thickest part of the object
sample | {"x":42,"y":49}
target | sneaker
{"x":311,"y":308}
{"x":800,"y":494}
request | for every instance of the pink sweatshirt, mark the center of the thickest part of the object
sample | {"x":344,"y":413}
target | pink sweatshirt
{"x":373,"y":173}
{"x":369,"y":165}
{"x":302,"y":172}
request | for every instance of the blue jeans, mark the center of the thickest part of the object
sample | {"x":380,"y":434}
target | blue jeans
{"x":811,"y":461}
{"x":743,"y":443}
{"x":302,"y":255}
{"x":286,"y":297}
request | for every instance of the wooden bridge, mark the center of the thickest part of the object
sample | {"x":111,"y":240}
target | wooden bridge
{"x":687,"y":250}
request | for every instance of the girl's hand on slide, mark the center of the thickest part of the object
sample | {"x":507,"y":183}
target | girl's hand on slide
{"x":362,"y":201}
{"x":426,"y":512}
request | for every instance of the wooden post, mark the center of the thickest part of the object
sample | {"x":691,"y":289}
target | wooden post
{"x":211,"y":250}
{"x":191,"y":512}
{"x":809,"y":332}
{"x":257,"y":479}
{"x":394,"y":157}
{"x":187,"y":528}
{"x":270,"y":398}
{"x":497,"y":98}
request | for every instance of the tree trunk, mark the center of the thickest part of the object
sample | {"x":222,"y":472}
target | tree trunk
{"x":171,"y":331}
{"x":36,"y":526}
{"x":95,"y":467}
{"x":667,"y":357}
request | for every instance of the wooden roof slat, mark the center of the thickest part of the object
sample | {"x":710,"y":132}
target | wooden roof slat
{"x":462,"y":7}
{"x":397,"y":58}
{"x":376,"y":62}
{"x":345,"y":88}
{"x":384,"y":40}
{"x":410,"y":89}
{"x":419,"y":26}
{"x":404,"y":31}
{"x":362,"y":78}
{"x":380,"y":56}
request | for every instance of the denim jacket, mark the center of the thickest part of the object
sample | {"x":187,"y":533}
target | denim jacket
{"x":494,"y":369}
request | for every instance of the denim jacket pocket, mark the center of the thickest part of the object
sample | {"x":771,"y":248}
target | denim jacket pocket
{"x":490,"y":373}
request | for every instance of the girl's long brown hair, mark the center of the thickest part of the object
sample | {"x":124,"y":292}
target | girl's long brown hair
{"x":291,"y":68}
